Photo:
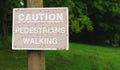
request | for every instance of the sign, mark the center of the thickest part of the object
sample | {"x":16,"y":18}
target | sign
{"x":40,"y":29}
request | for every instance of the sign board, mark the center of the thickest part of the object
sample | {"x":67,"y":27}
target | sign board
{"x":40,"y":29}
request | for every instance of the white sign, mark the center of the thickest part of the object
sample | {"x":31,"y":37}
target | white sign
{"x":40,"y":29}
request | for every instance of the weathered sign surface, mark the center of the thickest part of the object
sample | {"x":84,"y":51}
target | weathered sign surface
{"x":40,"y":29}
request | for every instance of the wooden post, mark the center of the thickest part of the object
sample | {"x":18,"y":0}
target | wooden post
{"x":36,"y":59}
{"x":34,"y":3}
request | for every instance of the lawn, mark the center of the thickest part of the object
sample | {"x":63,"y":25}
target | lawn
{"x":78,"y":57}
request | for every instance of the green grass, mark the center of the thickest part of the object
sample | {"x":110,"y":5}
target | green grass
{"x":13,"y":60}
{"x":78,"y":57}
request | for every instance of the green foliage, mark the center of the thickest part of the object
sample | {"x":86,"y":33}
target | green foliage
{"x":80,"y":23}
{"x":78,"y":18}
{"x":107,"y":15}
{"x":101,"y":15}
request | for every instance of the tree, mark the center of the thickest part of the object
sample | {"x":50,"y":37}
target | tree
{"x":105,"y":15}
{"x":6,"y":7}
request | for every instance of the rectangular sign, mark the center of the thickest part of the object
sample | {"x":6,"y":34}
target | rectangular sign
{"x":40,"y":29}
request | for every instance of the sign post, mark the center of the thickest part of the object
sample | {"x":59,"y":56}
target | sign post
{"x":36,"y":59}
{"x":36,"y":28}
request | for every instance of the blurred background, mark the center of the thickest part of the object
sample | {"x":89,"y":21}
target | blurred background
{"x":94,"y":35}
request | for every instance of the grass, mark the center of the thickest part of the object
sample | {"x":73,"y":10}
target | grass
{"x":13,"y":60}
{"x":78,"y":57}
